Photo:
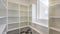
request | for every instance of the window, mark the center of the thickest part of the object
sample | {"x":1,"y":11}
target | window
{"x":40,"y":11}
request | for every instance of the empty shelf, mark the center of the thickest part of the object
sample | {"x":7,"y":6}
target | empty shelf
{"x":2,"y":16}
{"x":56,"y":29}
{"x":41,"y":24}
{"x":54,"y":4}
{"x":55,"y":16}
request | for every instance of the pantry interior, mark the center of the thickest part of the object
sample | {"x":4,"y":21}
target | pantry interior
{"x":42,"y":16}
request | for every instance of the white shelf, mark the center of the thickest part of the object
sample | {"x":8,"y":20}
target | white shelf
{"x":12,"y":6}
{"x":18,"y":3}
{"x":17,"y":28}
{"x":23,"y":21}
{"x":13,"y":29}
{"x":55,"y":4}
{"x":41,"y":24}
{"x":36,"y":30}
{"x":2,"y":16}
{"x":23,"y":10}
{"x":13,"y":13}
{"x":56,"y":29}
{"x":2,"y":27}
{"x":13,"y":16}
{"x":13,"y":22}
{"x":13,"y":9}
{"x":13,"y":26}
{"x":55,"y":23}
{"x":54,"y":16}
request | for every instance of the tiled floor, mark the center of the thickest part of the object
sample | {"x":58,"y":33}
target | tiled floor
{"x":26,"y":30}
{"x":13,"y":32}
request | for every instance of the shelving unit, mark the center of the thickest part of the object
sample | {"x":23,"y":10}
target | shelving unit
{"x":54,"y":24}
{"x":13,"y":16}
{"x":54,"y":17}
{"x":54,"y":2}
{"x":16,"y":14}
{"x":23,"y":15}
{"x":19,"y":2}
{"x":12,"y":6}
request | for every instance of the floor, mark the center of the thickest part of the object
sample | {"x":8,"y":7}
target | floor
{"x":26,"y":30}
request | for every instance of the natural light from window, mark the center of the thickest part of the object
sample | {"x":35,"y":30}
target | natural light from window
{"x":40,"y":12}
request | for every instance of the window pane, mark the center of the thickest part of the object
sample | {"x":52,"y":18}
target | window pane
{"x":42,"y":9}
